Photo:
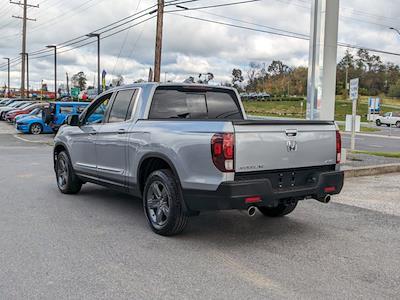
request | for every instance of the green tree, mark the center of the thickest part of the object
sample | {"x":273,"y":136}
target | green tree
{"x":237,"y":78}
{"x":79,"y":80}
{"x":394,"y":90}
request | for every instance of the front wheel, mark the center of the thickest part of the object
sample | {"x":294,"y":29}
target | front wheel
{"x":163,"y":204}
{"x":278,"y":211}
{"x":378,"y":122}
{"x":36,"y":128}
{"x":398,"y":124}
{"x":67,"y":181}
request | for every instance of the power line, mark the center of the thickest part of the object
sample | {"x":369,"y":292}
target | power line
{"x":341,"y":44}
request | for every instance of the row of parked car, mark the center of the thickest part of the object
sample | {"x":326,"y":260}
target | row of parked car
{"x":36,"y":117}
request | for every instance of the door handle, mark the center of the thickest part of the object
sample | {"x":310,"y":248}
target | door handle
{"x":121,"y":131}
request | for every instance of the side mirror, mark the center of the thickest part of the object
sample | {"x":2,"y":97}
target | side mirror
{"x":73,"y":120}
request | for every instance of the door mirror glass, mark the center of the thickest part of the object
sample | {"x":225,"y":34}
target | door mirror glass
{"x":73,"y":120}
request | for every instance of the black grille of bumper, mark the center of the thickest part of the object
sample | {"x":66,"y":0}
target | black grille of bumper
{"x":288,"y":178}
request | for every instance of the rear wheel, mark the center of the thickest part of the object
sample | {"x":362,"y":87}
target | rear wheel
{"x":36,"y":128}
{"x":398,"y":124}
{"x":67,"y":181}
{"x":162,"y":203}
{"x":378,"y":122}
{"x":278,"y":211}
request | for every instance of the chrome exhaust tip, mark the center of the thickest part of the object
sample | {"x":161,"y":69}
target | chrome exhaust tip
{"x":251,"y":211}
{"x":325,"y":199}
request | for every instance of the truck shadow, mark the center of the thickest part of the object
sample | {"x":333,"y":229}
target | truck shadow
{"x":231,"y":228}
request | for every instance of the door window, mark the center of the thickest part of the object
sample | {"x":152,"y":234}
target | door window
{"x":66,"y":110}
{"x":97,"y":111}
{"x":122,"y":106}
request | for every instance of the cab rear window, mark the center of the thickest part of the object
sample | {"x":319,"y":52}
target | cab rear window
{"x":194,"y":103}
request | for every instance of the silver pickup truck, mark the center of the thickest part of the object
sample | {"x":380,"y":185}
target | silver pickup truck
{"x":189,"y":148}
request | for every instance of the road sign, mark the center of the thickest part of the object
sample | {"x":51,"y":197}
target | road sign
{"x":354,"y":89}
{"x":374,"y":105}
{"x":75,"y":92}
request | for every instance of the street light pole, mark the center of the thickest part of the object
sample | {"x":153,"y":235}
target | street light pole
{"x":55,"y":69}
{"x":27,"y":75}
{"x":8,"y":74}
{"x":98,"y":59}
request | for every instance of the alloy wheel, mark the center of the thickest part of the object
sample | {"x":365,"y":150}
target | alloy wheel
{"x":158,"y":203}
{"x":62,"y":173}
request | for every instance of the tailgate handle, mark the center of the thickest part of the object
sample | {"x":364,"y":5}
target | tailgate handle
{"x":291,"y":132}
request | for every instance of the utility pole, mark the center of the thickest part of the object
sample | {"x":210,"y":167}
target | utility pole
{"x":24,"y":18}
{"x":67,"y":84}
{"x":159,"y":33}
{"x":8,"y":74}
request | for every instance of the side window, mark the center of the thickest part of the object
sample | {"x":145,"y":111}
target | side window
{"x":97,"y":110}
{"x":178,"y":104}
{"x":222,"y":105}
{"x":122,"y":106}
{"x":66,"y":110}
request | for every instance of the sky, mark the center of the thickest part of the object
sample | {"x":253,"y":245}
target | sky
{"x":190,"y":46}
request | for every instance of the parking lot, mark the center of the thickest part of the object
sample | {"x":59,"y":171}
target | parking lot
{"x":97,"y":244}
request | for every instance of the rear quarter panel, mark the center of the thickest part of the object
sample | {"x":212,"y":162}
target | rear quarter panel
{"x":187,"y":146}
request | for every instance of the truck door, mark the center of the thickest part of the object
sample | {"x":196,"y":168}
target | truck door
{"x":112,"y":139}
{"x":84,"y":150}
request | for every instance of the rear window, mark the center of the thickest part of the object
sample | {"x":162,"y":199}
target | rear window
{"x":194,"y":103}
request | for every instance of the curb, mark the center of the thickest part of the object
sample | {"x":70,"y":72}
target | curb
{"x":372,"y":170}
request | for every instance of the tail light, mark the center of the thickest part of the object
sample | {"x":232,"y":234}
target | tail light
{"x":222,"y":151}
{"x":338,"y":147}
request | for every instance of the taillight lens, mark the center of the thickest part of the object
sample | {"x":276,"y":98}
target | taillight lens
{"x":222,"y":151}
{"x":338,"y":147}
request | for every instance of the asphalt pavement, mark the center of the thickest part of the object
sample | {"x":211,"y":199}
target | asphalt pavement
{"x":97,"y":245}
{"x":370,"y":142}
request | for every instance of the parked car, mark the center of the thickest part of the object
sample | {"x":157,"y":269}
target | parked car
{"x":389,"y":119}
{"x":189,"y":148}
{"x":10,"y":101}
{"x":57,"y":112}
{"x":13,"y":106}
{"x":33,"y":123}
{"x":10,"y":116}
{"x":3,"y":101}
{"x":35,"y":112}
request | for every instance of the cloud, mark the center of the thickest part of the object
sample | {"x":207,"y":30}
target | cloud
{"x":190,"y":46}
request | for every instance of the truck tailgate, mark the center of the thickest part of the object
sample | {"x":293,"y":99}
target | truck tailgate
{"x":283,"y":144}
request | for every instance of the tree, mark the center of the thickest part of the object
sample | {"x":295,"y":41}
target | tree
{"x":79,"y":80}
{"x":237,"y":78}
{"x":118,"y":81}
{"x":394,"y":90}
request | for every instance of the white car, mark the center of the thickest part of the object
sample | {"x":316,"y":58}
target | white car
{"x":389,"y":118}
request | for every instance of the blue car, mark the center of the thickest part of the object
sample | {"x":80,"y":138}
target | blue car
{"x":32,"y":123}
{"x":50,"y":119}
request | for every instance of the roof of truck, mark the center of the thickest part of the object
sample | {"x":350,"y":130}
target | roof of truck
{"x":157,"y":84}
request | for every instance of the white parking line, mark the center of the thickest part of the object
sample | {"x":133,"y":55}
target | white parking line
{"x":29,"y":141}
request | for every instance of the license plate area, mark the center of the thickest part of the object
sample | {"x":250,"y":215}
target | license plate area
{"x":289,"y":178}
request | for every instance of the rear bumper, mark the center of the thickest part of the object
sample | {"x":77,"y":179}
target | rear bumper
{"x":232,"y":195}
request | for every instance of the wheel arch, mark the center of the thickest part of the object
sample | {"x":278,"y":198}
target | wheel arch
{"x":151,"y":162}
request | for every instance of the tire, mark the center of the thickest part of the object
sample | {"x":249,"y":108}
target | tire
{"x":36,"y":128}
{"x":67,"y":181}
{"x":163,"y":203}
{"x":378,"y":122}
{"x":278,"y":211}
{"x":398,"y":124}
